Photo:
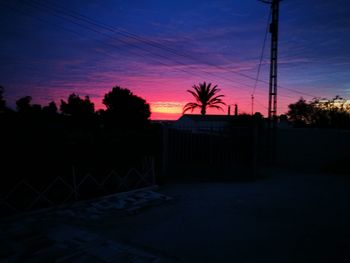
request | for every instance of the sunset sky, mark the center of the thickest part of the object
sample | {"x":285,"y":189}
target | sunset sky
{"x":159,"y":49}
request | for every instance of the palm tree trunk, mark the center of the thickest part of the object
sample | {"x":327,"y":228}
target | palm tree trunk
{"x":203,"y":110}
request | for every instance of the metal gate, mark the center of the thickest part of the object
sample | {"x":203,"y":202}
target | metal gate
{"x":210,"y":154}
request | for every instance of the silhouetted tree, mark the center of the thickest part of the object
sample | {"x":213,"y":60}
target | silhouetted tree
{"x":206,"y":97}
{"x":326,"y":114}
{"x":23,"y":104}
{"x":2,"y":100}
{"x":300,"y":113}
{"x":50,"y":109}
{"x":125,"y":109}
{"x":77,"y":107}
{"x":36,"y":108}
{"x":283,"y":118}
{"x":29,"y":112}
{"x":258,"y":115}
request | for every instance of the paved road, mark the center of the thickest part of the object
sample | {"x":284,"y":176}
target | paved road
{"x":283,"y":218}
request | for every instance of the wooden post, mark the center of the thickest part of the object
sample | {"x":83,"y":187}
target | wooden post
{"x":165,"y":150}
{"x":75,"y":188}
{"x":255,"y":148}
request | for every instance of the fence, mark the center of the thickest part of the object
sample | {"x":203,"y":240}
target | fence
{"x":209,"y":154}
{"x":25,"y":196}
{"x":315,"y":150}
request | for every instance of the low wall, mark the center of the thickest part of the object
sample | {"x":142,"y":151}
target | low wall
{"x":313,"y":149}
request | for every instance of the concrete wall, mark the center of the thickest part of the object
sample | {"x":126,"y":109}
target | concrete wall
{"x":313,"y":149}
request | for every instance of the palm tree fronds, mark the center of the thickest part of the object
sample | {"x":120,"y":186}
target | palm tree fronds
{"x":205,"y":96}
{"x":216,"y":107}
{"x":190,"y":106}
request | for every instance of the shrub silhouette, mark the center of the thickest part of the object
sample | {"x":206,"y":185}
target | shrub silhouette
{"x":23,"y":104}
{"x":124,"y":109}
{"x":319,"y":114}
{"x":2,"y":100}
{"x":77,"y":107}
{"x":50,"y":109}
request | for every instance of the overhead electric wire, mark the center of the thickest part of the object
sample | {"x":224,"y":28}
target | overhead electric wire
{"x":161,"y":46}
{"x":58,"y":26}
{"x":81,"y":35}
{"x":86,"y":19}
{"x":62,"y":16}
{"x":166,"y":48}
{"x":261,"y":104}
{"x":99,"y":32}
{"x":262,"y":53}
{"x":260,"y":61}
{"x":138,"y":38}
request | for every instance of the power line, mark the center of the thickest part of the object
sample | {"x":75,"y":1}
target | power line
{"x":125,"y":33}
{"x":260,"y":62}
{"x":155,"y":44}
{"x":21,"y":11}
{"x":261,"y":104}
{"x":63,"y":15}
{"x":136,"y":37}
{"x":262,"y":53}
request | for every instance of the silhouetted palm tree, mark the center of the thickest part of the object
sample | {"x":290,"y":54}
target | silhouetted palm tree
{"x":206,"y":97}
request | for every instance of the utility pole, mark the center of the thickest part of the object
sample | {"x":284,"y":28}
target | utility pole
{"x":252,"y":104}
{"x":272,"y":107}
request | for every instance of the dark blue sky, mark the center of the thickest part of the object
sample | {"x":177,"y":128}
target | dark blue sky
{"x":48,"y":52}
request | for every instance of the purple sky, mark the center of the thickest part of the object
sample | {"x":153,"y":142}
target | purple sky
{"x":159,"y":49}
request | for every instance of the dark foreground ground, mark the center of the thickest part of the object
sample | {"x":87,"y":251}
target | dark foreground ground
{"x":287,"y":217}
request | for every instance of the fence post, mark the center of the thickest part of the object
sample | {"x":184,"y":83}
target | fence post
{"x":255,"y":148}
{"x":151,"y":160}
{"x":74,"y":184}
{"x":165,"y":150}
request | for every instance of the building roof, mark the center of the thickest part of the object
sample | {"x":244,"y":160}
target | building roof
{"x":213,"y":118}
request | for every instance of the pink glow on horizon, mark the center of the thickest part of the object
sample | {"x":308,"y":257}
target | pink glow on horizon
{"x":164,"y":109}
{"x":166,"y":95}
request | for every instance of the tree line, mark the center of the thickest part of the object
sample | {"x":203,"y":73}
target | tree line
{"x":332,"y":114}
{"x":47,"y":141}
{"x":126,"y":110}
{"x":123,"y":109}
